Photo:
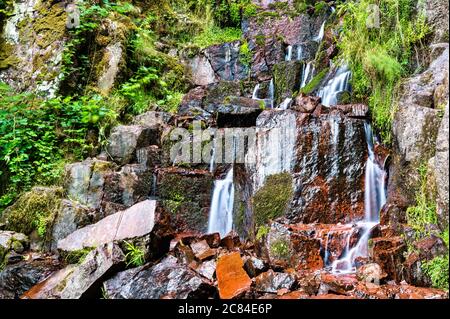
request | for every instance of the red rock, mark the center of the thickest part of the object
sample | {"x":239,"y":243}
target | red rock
{"x":212,"y":239}
{"x":340,"y":284}
{"x":299,"y":294}
{"x":231,"y":241}
{"x":202,"y":250}
{"x":410,"y":292}
{"x":389,"y":254}
{"x":306,"y":104}
{"x":232,"y":279}
{"x":306,"y":253}
{"x":332,"y":296}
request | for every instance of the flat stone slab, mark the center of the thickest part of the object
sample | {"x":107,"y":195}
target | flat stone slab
{"x":137,"y":221}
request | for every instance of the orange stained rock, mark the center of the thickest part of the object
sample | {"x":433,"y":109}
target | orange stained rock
{"x":231,"y":276}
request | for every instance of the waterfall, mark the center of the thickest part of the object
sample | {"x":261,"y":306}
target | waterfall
{"x":271,"y":93}
{"x":374,"y":200}
{"x":338,"y":84}
{"x":289,"y":53}
{"x":319,"y":37}
{"x":221,"y":213}
{"x":308,"y":71}
{"x":299,"y":52}
{"x":255,"y":92}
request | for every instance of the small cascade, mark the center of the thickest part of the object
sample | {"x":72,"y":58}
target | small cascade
{"x":307,"y":74}
{"x":336,"y":85}
{"x":319,"y":37}
{"x":153,"y":192}
{"x":375,"y":198}
{"x":221,"y":213}
{"x":270,"y":99}
{"x":289,"y":53}
{"x":285,"y":104}
{"x":213,"y":156}
{"x":299,"y":52}
{"x":271,"y":93}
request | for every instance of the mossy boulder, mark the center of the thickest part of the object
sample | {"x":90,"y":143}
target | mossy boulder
{"x":287,"y":76}
{"x":34,"y":211}
{"x":272,"y":200}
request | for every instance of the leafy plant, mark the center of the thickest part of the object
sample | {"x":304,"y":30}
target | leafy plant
{"x":135,"y":256}
{"x":437,"y":270}
{"x":280,"y":249}
{"x":215,"y":35}
{"x":262,"y":232}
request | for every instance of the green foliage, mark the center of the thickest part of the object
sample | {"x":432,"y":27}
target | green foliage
{"x":280,"y":249}
{"x":77,"y":256}
{"x":379,"y":56}
{"x":245,"y":54}
{"x":272,"y":200}
{"x":437,"y":270}
{"x":135,"y":255}
{"x":424,"y":213}
{"x":36,"y":136}
{"x":315,"y":81}
{"x":263,"y":231}
{"x":215,"y":35}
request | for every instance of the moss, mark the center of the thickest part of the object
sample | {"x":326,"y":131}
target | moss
{"x":7,"y":57}
{"x":280,"y":249}
{"x":39,"y":204}
{"x":76,"y":256}
{"x":272,"y":200}
{"x":50,"y":24}
{"x":314,"y":83}
{"x":286,"y":77}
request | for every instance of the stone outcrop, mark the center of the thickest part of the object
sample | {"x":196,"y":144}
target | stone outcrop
{"x":137,"y":221}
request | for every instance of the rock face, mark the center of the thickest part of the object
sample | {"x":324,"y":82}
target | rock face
{"x":166,"y":280}
{"x":12,"y":242}
{"x":186,"y":194}
{"x":124,"y":140}
{"x":287,"y":78}
{"x":272,"y":282}
{"x":325,"y":156}
{"x":233,"y":281}
{"x":17,"y":278}
{"x":30,"y":62}
{"x":81,"y":281}
{"x":137,"y":221}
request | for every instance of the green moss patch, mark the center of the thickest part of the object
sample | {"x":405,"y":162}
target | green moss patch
{"x":272,"y":200}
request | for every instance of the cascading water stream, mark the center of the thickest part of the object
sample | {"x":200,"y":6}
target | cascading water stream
{"x":319,"y":37}
{"x":375,"y":198}
{"x":221,"y":213}
{"x":336,"y":85}
{"x":289,"y":53}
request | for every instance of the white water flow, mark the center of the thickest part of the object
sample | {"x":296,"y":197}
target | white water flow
{"x":299,"y":52}
{"x":319,"y":37}
{"x":338,"y":84}
{"x":270,"y":99}
{"x":289,"y":53}
{"x":221,"y":213}
{"x":375,"y":198}
{"x":255,"y":92}
{"x":271,"y":93}
{"x":285,"y":104}
{"x":308,"y":71}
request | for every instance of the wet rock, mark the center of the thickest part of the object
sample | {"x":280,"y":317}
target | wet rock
{"x":287,"y":77}
{"x":83,"y":280}
{"x":131,"y":185}
{"x":167,"y":279}
{"x":389,"y":254}
{"x":370,"y":273}
{"x":410,"y":292}
{"x":85,"y":181}
{"x":272,"y":282}
{"x":208,"y":269}
{"x":336,"y":284}
{"x":202,"y":71}
{"x":71,"y":217}
{"x":124,"y":140}
{"x":231,"y":241}
{"x":306,"y":104}
{"x":137,"y":221}
{"x":309,"y":282}
{"x":225,"y":61}
{"x":202,"y":250}
{"x":306,"y":253}
{"x":354,"y":110}
{"x":442,"y":171}
{"x":233,"y":281}
{"x":332,"y":296}
{"x":213,"y":240}
{"x":17,"y":278}
{"x":186,"y":194}
{"x":12,"y":242}
{"x":150,"y":157}
{"x":254,"y":266}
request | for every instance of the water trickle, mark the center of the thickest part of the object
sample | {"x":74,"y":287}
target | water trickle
{"x":375,"y":198}
{"x":256,"y":92}
{"x":285,"y":104}
{"x":271,"y":93}
{"x":319,"y":37}
{"x":307,"y":73}
{"x":336,"y":85}
{"x":299,"y":52}
{"x":289,"y":53}
{"x":221,"y":213}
